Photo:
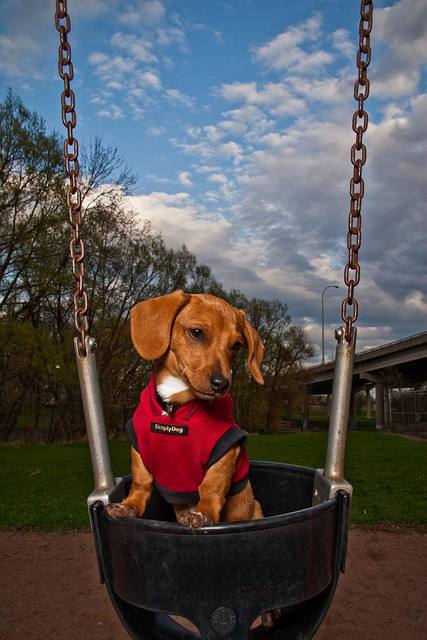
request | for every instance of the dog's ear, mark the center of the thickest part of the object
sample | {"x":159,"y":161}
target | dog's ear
{"x":255,"y":350}
{"x":151,"y":323}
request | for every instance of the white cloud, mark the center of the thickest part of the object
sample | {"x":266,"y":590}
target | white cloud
{"x":114,"y":70}
{"x":231,"y":150}
{"x":141,"y":13}
{"x":208,"y":148}
{"x":150,"y":79}
{"x":12,"y":50}
{"x":137,"y":112}
{"x":202,"y":149}
{"x":168,"y":63}
{"x":286,"y":227}
{"x":402,"y":29}
{"x":248,"y":121}
{"x":160,"y":179}
{"x":285,"y":51}
{"x":167,"y":36}
{"x":275,"y":96}
{"x":97,"y":57}
{"x":404,"y":26}
{"x":417,"y":302}
{"x":207,"y":168}
{"x":176,"y":96}
{"x":219,"y":178}
{"x":233,"y":126}
{"x":97,"y":100}
{"x":138,"y":47}
{"x":184,"y":178}
{"x":334,"y":89}
{"x":155,"y":131}
{"x":114,"y":112}
{"x":342,"y":42}
{"x":225,"y":189}
{"x":181,"y":221}
{"x":218,"y":37}
{"x":130,"y":67}
{"x":233,"y":261}
{"x":83,"y":9}
{"x":295,"y":196}
{"x":272,"y":165}
{"x":20,"y":51}
{"x":287,"y":184}
{"x":395,"y":84}
{"x":132,"y":78}
{"x":239,"y":91}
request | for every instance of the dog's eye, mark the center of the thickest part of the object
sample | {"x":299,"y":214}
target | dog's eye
{"x":197,"y":334}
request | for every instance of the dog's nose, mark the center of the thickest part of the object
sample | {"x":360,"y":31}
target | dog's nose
{"x":218,"y":382}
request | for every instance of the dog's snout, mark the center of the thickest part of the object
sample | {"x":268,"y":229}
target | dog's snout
{"x":218,"y":382}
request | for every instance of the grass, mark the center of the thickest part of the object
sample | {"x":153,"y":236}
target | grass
{"x":46,"y":486}
{"x":322,"y":420}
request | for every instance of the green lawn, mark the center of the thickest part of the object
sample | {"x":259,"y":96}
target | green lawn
{"x":322,"y":420}
{"x":46,"y":486}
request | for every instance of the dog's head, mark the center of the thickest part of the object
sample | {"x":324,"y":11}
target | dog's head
{"x":196,"y":337}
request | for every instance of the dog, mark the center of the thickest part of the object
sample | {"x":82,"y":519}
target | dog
{"x":183,"y":436}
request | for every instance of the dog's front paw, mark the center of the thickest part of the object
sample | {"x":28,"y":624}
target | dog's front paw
{"x":120,"y":510}
{"x":269,"y":618}
{"x":195,"y":519}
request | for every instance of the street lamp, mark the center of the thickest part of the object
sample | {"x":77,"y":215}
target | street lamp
{"x":330,"y":286}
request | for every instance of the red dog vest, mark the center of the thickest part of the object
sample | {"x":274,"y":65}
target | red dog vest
{"x":177,"y":450}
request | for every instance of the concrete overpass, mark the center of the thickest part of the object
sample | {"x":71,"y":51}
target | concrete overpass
{"x":397,"y":364}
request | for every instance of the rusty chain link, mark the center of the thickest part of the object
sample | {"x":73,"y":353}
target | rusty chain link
{"x":358,"y":159}
{"x":74,"y":197}
{"x":72,"y":168}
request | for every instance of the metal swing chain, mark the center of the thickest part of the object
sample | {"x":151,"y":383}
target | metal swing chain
{"x":74,"y":197}
{"x":72,"y":168}
{"x":358,"y":159}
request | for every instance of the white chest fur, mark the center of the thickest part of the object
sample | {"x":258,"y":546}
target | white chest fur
{"x":170,"y":386}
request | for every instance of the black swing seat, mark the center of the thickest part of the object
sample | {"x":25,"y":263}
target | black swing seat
{"x":223,"y":577}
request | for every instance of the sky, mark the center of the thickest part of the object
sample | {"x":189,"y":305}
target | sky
{"x":235,"y":116}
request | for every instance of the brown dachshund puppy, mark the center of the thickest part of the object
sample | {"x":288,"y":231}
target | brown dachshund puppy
{"x":193,"y":339}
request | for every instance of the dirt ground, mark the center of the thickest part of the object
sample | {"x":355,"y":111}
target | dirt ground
{"x":49,"y":589}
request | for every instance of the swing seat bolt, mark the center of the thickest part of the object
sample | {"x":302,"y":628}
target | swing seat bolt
{"x":223,"y":620}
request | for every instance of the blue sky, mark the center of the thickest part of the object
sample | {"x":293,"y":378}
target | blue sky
{"x":236,"y":118}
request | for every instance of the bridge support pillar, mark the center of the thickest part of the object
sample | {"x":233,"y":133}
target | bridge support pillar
{"x":368,"y":402}
{"x":387,"y":402}
{"x":305,"y":414}
{"x":352,"y":419}
{"x":379,"y":401}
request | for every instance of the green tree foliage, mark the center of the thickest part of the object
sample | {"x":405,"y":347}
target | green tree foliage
{"x":264,"y":408}
{"x":127,"y":261}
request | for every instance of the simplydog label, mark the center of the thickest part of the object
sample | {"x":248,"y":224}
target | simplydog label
{"x":169,"y":429}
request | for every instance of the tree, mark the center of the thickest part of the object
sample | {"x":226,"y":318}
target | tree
{"x":126,"y":261}
{"x":286,"y":346}
{"x":30,"y":179}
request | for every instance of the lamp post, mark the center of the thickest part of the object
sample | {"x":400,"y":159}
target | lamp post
{"x":330,"y":286}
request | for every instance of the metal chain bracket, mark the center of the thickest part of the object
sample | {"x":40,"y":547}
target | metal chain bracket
{"x":73,"y":193}
{"x":350,"y":307}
